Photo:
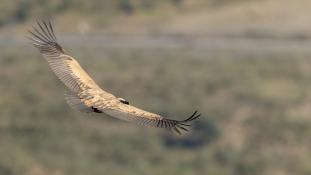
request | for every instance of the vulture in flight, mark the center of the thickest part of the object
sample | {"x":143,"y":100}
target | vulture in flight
{"x":84,"y":95}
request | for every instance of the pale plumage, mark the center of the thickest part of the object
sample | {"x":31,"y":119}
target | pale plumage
{"x":84,"y":95}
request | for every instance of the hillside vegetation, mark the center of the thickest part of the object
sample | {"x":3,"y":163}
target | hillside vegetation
{"x":255,"y":115}
{"x":255,"y":105}
{"x":253,"y":18}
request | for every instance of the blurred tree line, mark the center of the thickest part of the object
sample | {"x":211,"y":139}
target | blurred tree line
{"x":20,"y":10}
{"x":13,"y":11}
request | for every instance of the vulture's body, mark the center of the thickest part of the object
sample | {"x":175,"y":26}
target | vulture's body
{"x":84,"y":95}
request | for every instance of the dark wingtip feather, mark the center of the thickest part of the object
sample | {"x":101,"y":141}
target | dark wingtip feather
{"x":181,"y":125}
{"x":43,"y":36}
{"x":192,"y":117}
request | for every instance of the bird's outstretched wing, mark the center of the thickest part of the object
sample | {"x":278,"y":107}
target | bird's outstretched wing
{"x":66,"y":68}
{"x":84,"y":94}
{"x":141,"y":117}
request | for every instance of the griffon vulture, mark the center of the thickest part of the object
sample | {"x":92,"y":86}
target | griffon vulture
{"x":83,"y":94}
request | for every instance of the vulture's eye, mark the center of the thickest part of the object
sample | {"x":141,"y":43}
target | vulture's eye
{"x":124,"y":101}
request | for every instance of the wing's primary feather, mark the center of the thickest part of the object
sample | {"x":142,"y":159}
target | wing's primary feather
{"x":84,"y":94}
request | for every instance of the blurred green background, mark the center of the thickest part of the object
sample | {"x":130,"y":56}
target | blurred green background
{"x":244,"y":64}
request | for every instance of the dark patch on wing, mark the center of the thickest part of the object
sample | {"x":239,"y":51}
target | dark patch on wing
{"x":124,"y":101}
{"x":96,"y":110}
